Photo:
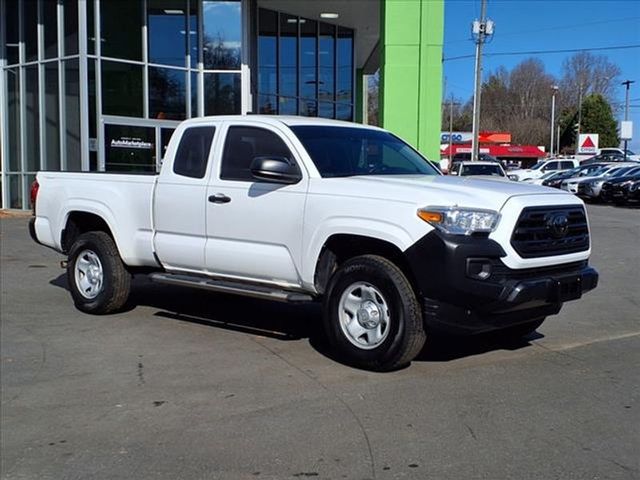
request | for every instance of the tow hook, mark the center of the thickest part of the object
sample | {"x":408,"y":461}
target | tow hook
{"x":64,"y":264}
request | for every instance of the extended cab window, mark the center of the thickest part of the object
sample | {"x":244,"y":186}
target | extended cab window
{"x":193,"y":152}
{"x":566,"y":165}
{"x":243,"y":144}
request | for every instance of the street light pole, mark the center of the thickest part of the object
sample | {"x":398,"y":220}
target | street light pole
{"x":627,"y":84}
{"x":579,"y":118}
{"x":480,"y":29}
{"x":554,"y":89}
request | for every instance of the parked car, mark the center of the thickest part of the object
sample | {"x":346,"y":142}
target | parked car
{"x":543,"y":178}
{"x":633,"y":192}
{"x":479,"y":168}
{"x":593,"y":187}
{"x":615,"y":190}
{"x":576,"y":185}
{"x":620,"y":151}
{"x":614,"y":157}
{"x":582,"y":170}
{"x":466,"y":156}
{"x":543,"y":167}
{"x":297,"y":210}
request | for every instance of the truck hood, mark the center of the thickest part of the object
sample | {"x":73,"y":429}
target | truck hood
{"x":432,"y":190}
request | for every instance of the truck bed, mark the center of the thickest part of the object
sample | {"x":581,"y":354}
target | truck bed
{"x":123,"y":200}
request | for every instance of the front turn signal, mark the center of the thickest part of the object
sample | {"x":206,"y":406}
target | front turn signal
{"x":430,"y":217}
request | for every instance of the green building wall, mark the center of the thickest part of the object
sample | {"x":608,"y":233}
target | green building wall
{"x":411,"y":71}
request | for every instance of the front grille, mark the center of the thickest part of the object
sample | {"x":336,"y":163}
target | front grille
{"x":535,"y":236}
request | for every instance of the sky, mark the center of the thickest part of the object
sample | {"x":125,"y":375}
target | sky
{"x":533,"y":25}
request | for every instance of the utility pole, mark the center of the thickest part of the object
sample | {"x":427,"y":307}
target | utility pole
{"x":558,"y":141}
{"x":480,"y":29}
{"x":627,"y":84}
{"x":579,"y":118}
{"x":451,"y":104}
{"x":554,"y":90}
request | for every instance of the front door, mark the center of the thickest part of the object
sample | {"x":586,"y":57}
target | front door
{"x":254,"y":228}
{"x":180,"y":201}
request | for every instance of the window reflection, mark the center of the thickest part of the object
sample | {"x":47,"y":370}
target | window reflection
{"x":30,"y":28}
{"x":305,"y":67}
{"x":222,"y":34}
{"x":267,"y":51}
{"x":121,"y":29}
{"x":167,"y":32}
{"x":70,"y":27}
{"x":32,"y":118}
{"x":167,"y":89}
{"x":50,"y":24}
{"x":221,"y":93}
{"x":12,"y":39}
{"x":121,"y":89}
{"x":288,"y":66}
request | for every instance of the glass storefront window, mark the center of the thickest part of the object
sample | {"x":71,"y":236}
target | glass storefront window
{"x":30,"y":28}
{"x":13,"y":120}
{"x":165,"y":137}
{"x":268,"y":104}
{"x":305,"y":67}
{"x":52,"y":117}
{"x":70,"y":27}
{"x":222,"y":22}
{"x":326,"y":68}
{"x":288,"y":61}
{"x":91,"y":28}
{"x":344,"y":66}
{"x":130,"y":148}
{"x":32,"y":119}
{"x":121,"y":89}
{"x":121,"y":29}
{"x":12,"y":39}
{"x":194,"y":94}
{"x":221,"y":93}
{"x":50,"y":24}
{"x":72,"y":114}
{"x":15,"y":191}
{"x":308,"y":55}
{"x":167,"y":32}
{"x":167,"y":94}
{"x":267,"y":51}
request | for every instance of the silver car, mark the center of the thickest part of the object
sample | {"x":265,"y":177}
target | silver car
{"x":593,"y":187}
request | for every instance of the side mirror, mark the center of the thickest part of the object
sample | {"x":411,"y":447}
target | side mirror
{"x":275,"y":170}
{"x":513,"y":177}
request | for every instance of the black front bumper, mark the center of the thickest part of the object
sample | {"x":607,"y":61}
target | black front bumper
{"x":449,"y":271}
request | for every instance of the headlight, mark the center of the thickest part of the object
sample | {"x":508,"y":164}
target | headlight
{"x":459,"y":220}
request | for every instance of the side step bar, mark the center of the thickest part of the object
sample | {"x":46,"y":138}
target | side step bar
{"x":236,"y":288}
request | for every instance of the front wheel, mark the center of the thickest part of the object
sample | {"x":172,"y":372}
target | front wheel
{"x":372,"y":316}
{"x":98,"y":280}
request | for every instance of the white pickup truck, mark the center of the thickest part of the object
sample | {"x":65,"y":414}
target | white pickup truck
{"x":301,"y":210}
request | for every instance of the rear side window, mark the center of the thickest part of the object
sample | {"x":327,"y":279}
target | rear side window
{"x":566,"y":165}
{"x":243,"y":144}
{"x":193,"y":152}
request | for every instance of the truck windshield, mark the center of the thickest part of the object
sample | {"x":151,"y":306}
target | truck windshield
{"x":350,"y":151}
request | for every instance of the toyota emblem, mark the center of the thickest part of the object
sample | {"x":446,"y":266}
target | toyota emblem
{"x":558,"y":225}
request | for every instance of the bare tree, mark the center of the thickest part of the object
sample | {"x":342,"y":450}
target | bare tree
{"x":519,"y":102}
{"x":589,"y":73}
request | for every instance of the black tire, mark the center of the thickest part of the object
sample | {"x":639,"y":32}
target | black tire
{"x":406,"y":335}
{"x":116,"y":280}
{"x":517,"y":332}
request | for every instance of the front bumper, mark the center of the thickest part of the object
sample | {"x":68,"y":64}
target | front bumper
{"x":456,"y":299}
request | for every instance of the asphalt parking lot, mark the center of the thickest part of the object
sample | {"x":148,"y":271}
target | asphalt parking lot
{"x":192,"y":385}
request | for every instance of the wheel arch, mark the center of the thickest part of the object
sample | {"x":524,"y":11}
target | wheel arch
{"x":340,"y":247}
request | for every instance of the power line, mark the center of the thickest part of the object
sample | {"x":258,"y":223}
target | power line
{"x":542,"y":52}
{"x":559,"y":27}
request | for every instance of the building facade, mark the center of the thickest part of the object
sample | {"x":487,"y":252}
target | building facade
{"x":100,"y":85}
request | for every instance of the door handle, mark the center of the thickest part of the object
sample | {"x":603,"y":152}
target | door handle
{"x":219,"y":198}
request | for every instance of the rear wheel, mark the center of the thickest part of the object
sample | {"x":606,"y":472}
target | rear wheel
{"x":372,"y":316}
{"x":98,"y":280}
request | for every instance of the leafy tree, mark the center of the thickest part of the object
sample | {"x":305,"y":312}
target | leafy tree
{"x":597,"y":117}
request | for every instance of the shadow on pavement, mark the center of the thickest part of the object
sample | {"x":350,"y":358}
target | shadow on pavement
{"x":281,"y":321}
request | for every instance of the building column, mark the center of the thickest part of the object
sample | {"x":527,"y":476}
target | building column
{"x":411,"y":71}
{"x":359,"y":104}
